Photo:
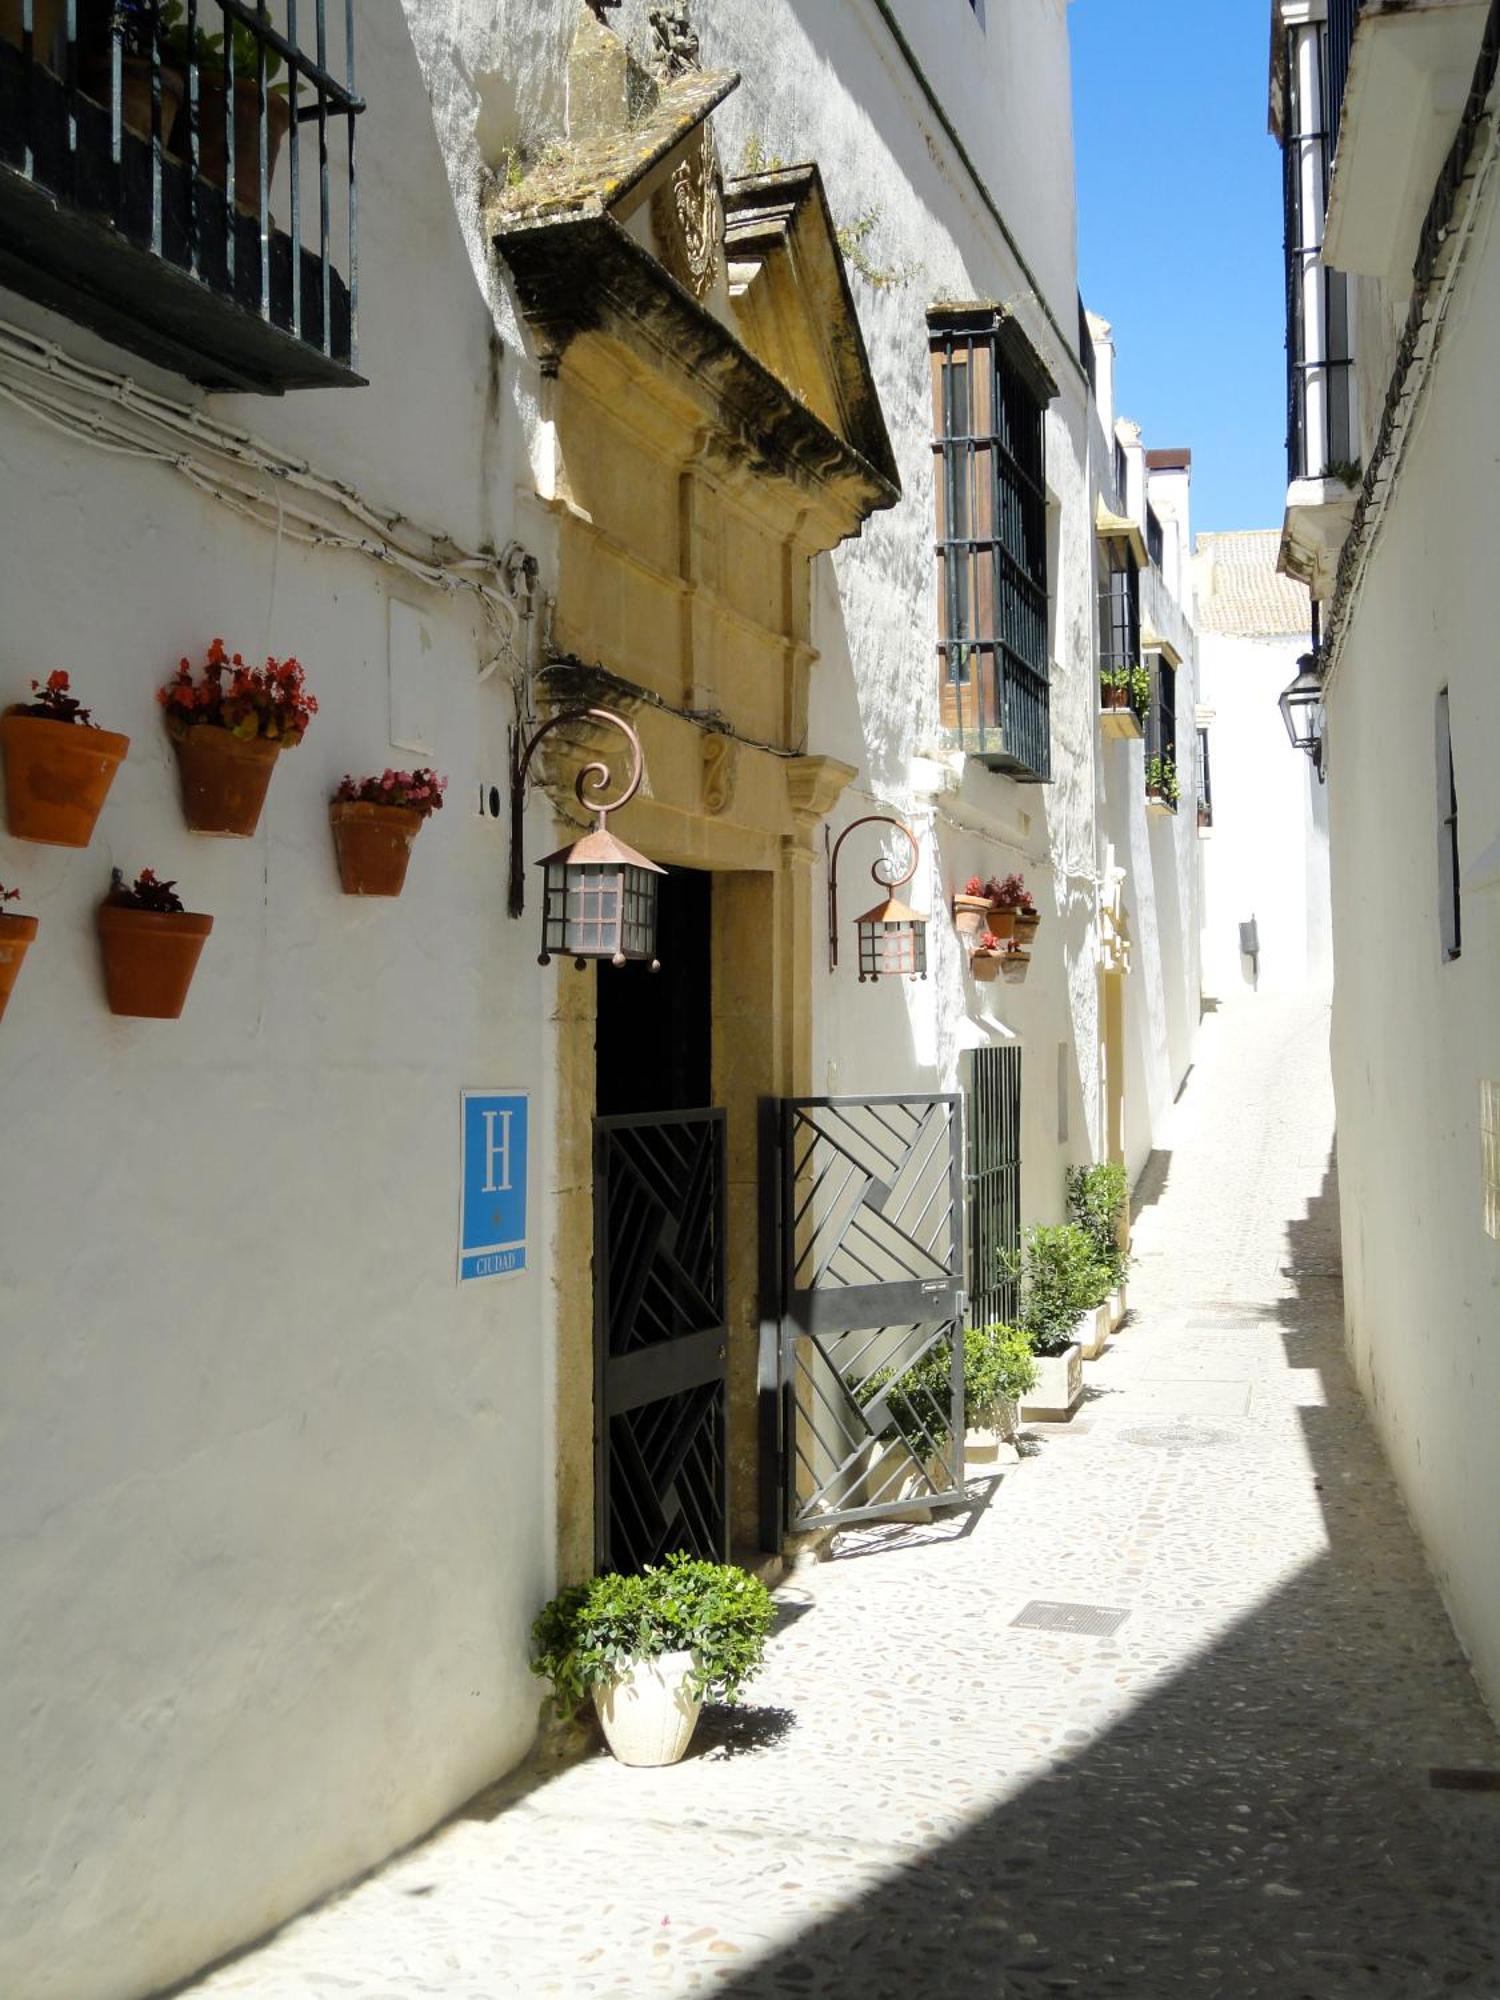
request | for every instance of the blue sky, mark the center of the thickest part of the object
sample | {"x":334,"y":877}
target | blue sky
{"x":1179,"y":236}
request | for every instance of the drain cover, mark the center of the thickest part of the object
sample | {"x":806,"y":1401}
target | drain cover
{"x":1091,"y":1621}
{"x":1176,"y":1437}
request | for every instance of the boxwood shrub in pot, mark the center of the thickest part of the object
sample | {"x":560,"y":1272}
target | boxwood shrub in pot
{"x":650,"y":1649}
{"x":1097,"y":1201}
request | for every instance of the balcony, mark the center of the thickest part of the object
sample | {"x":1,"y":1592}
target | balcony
{"x":167,"y":187}
{"x":1410,"y":68}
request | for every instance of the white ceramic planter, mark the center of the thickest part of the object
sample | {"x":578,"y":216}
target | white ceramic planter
{"x":1059,"y":1387}
{"x":987,"y":1449}
{"x":1093,"y":1334}
{"x":648,"y":1716}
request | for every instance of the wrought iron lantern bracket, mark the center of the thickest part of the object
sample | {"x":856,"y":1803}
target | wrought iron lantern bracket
{"x":887,"y":918}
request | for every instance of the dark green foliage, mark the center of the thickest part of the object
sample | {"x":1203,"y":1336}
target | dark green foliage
{"x":998,"y":1369}
{"x":1062,"y":1278}
{"x":1098,"y":1199}
{"x":589,"y":1634}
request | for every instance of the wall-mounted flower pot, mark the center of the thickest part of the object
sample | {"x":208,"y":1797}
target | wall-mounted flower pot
{"x":150,"y":957}
{"x":971,"y":915}
{"x":985,"y":966}
{"x":1015,"y":965}
{"x":1000,"y":923}
{"x":1027,"y":927}
{"x":56,"y":777}
{"x":374,"y":845}
{"x":17,"y":935}
{"x":224,"y":779}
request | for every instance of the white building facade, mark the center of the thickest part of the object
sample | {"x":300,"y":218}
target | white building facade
{"x":1265,"y":830}
{"x":1410,"y":727}
{"x":633,"y":412}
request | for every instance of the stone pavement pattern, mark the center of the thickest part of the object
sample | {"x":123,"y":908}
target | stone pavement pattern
{"x":1230,"y":1796}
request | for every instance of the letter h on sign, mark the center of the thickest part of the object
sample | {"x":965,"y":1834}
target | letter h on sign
{"x":493,"y":1173}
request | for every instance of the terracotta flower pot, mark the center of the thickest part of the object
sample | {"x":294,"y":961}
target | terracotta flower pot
{"x":211,"y":148}
{"x":224,"y":779}
{"x":96,"y":72}
{"x":56,"y":776}
{"x":1114,"y":697}
{"x":970,"y":914}
{"x":150,"y":957}
{"x":374,"y":845}
{"x":985,"y":966}
{"x":1015,"y":965}
{"x":1000,"y":923}
{"x":1026,"y":927}
{"x":17,"y":935}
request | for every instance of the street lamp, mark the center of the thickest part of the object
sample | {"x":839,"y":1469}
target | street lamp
{"x":1302,"y":709}
{"x":599,"y":896}
{"x":892,"y":938}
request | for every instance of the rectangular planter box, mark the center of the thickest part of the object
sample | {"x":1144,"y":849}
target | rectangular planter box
{"x":988,"y":1450}
{"x":1093,"y":1334}
{"x":1059,"y":1387}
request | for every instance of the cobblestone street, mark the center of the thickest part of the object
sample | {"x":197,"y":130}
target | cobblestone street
{"x":1230,"y":1795}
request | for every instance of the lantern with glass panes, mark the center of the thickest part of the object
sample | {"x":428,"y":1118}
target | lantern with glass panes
{"x":892,"y":938}
{"x":598,"y":896}
{"x":1302,"y":710}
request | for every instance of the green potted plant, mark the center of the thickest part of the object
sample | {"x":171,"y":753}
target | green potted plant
{"x":375,"y":821}
{"x":59,"y":765}
{"x":1161,"y":782}
{"x":650,"y":1649}
{"x":1098,"y":1202}
{"x":17,"y":935}
{"x":151,"y":946}
{"x":971,"y":908}
{"x":1062,"y":1280}
{"x":228,"y":733}
{"x":244,"y":53}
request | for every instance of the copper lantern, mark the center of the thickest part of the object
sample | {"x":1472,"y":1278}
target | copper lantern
{"x":892,"y":938}
{"x":599,"y":896}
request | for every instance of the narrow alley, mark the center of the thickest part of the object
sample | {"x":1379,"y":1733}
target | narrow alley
{"x":1219,"y":1781}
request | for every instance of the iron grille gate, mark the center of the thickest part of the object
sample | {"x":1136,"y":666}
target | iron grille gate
{"x":865,"y":1224}
{"x":993,"y":1181}
{"x":660,"y":1338}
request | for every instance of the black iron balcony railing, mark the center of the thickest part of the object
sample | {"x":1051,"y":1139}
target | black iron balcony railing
{"x":1320,"y":437}
{"x":1343,"y":18}
{"x":180,"y":176}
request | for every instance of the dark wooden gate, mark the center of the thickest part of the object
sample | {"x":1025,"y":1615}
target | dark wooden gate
{"x":660,"y":1338}
{"x":864,"y":1216}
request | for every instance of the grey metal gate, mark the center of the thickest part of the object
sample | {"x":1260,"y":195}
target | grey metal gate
{"x":864,"y":1256}
{"x":993,"y":1180}
{"x":660,"y":1338}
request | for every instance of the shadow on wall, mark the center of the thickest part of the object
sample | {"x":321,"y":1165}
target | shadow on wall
{"x":1208,"y":1843}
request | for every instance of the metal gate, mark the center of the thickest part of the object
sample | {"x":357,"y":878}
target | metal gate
{"x":993,"y":1180}
{"x":863,"y":1214}
{"x":660,"y":1338}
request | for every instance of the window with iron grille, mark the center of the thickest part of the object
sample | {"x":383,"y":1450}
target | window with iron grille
{"x":1155,"y":540}
{"x":1119,"y":610}
{"x":989,"y":400}
{"x":1320,"y":366}
{"x":1205,"y":782}
{"x":1122,"y":477}
{"x":179,"y":176}
{"x":1450,"y":912}
{"x":992,"y":1112}
{"x":1161,"y":721}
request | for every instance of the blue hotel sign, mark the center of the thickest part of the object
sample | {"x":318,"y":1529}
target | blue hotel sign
{"x":492,"y":1226}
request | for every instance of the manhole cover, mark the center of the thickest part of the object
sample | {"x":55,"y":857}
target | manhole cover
{"x":1175,"y":1437}
{"x":1092,"y":1621}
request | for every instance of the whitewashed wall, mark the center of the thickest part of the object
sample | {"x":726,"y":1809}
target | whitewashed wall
{"x":1267,"y":856}
{"x":1413,"y":1035}
{"x":277,"y":1493}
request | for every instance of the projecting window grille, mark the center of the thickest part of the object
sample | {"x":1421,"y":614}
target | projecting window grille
{"x":1119,"y":610}
{"x":1161,"y":726}
{"x":1155,"y":540}
{"x":988,"y":406}
{"x":1489,"y":1133}
{"x":1320,"y":366}
{"x":1450,"y":911}
{"x":992,"y":1111}
{"x":1205,"y":783}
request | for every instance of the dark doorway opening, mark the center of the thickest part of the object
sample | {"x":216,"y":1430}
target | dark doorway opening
{"x":653,"y":1043}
